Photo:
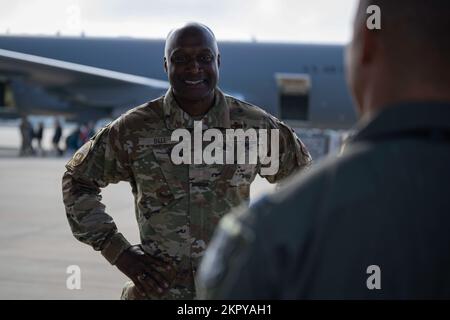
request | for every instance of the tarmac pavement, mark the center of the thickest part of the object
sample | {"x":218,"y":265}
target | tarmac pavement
{"x":36,"y":244}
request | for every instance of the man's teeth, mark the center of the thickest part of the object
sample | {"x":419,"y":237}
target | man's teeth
{"x":193,"y":82}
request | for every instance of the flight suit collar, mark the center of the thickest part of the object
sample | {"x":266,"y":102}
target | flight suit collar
{"x":405,"y":117}
{"x":217,"y":117}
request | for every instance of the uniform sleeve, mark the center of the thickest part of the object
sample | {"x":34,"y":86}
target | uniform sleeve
{"x":231,"y":268}
{"x":293,"y":155}
{"x":97,"y":163}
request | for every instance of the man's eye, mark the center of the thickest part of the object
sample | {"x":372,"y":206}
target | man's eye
{"x":206,"y":58}
{"x":179,"y":59}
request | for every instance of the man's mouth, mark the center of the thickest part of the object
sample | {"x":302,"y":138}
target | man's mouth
{"x":194,"y":82}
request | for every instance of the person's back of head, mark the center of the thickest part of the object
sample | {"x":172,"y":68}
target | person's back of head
{"x":406,"y":60}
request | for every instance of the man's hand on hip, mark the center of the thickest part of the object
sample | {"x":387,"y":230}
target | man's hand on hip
{"x":142,"y":269}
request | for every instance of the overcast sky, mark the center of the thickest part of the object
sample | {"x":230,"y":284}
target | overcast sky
{"x":318,"y":21}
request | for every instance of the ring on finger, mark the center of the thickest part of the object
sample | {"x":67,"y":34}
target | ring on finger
{"x":142,"y":276}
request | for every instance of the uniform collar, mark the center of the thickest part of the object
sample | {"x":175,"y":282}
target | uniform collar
{"x":217,"y":117}
{"x":405,"y":117}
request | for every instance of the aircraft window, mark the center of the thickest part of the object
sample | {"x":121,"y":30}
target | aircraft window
{"x":293,"y":92}
{"x":6,"y":95}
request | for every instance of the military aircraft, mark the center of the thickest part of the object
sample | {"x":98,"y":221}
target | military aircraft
{"x":86,"y":78}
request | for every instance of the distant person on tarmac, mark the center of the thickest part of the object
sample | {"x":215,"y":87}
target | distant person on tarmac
{"x":57,"y":137}
{"x":73,"y":140}
{"x":26,"y":133}
{"x":39,"y":133}
{"x":87,"y":131}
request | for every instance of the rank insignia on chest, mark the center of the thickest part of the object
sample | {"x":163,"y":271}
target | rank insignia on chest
{"x":156,"y":141}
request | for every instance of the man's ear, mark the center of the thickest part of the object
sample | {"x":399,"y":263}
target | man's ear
{"x":218,"y":60}
{"x":165,"y":64}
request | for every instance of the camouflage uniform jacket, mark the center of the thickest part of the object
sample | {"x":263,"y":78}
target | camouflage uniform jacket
{"x":177,"y":207}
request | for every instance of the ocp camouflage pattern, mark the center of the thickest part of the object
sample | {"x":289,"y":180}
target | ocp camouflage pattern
{"x":177,"y":207}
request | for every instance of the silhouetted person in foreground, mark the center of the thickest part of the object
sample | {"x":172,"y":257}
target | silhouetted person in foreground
{"x":374,"y":223}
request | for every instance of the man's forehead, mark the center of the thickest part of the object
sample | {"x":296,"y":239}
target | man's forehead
{"x":193,"y":41}
{"x":191,"y":50}
{"x":191,"y":38}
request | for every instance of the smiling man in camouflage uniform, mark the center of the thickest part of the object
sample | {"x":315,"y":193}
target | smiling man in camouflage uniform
{"x":177,"y":206}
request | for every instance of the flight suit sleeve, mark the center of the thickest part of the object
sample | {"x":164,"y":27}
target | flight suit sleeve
{"x":96,"y":164}
{"x":293,"y":154}
{"x":231,"y":267}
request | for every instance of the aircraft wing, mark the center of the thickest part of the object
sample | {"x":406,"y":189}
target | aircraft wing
{"x":44,"y":85}
{"x":56,"y":73}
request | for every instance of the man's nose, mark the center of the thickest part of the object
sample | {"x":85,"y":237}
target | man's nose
{"x":193,"y":66}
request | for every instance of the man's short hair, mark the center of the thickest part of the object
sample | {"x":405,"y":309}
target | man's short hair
{"x":415,"y":35}
{"x":191,"y":25}
{"x":417,"y":22}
